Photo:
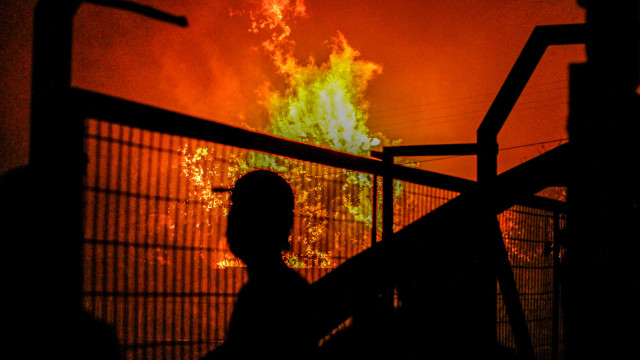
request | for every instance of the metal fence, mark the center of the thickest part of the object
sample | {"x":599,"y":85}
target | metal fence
{"x":531,"y":237}
{"x":156,"y":265}
{"x":156,"y":262}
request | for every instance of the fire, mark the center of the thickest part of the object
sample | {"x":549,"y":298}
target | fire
{"x":229,"y":261}
{"x":272,"y":16}
{"x":309,"y":259}
{"x":322,"y":104}
{"x":200,"y":166}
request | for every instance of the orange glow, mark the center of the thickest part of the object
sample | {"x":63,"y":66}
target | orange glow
{"x":443,"y":64}
{"x":228,"y":262}
{"x":272,"y":16}
{"x":324,"y":105}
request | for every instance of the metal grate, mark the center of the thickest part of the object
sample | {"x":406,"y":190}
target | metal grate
{"x":531,"y":239}
{"x":156,"y":262}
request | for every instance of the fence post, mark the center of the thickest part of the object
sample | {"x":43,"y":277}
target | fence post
{"x":487,"y":169}
{"x":387,"y":217}
{"x":56,"y":147}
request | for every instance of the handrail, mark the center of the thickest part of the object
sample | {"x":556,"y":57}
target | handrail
{"x":53,"y":118}
{"x":53,"y":101}
{"x":487,"y":161}
{"x":541,"y":38}
{"x":143,"y":10}
{"x":51,"y":75}
{"x":89,"y":104}
{"x":486,"y":150}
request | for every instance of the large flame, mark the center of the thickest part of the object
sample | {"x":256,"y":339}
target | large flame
{"x":272,"y":14}
{"x":323,"y":105}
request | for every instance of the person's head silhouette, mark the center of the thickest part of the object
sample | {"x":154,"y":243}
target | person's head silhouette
{"x":260,"y":217}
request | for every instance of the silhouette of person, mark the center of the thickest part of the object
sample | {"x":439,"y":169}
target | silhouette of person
{"x":443,"y":302}
{"x":273,"y":314}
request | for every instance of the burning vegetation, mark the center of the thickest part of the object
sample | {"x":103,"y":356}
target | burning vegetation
{"x":324,"y":105}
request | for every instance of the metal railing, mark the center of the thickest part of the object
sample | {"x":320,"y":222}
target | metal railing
{"x":156,"y":262}
{"x":140,"y":232}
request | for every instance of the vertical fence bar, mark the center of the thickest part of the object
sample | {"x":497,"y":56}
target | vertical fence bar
{"x":126,"y":289}
{"x":374,"y":210}
{"x":145,"y":279}
{"x":555,"y":335}
{"x":162,"y":249}
{"x":387,"y":216}
{"x":107,"y":272}
{"x":176,"y":235}
{"x":137,"y":189}
{"x":387,"y":196}
{"x":158,"y":296}
{"x":210,"y":275}
{"x":96,"y":221}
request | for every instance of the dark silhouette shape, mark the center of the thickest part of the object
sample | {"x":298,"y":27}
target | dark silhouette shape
{"x":600,"y":280}
{"x":37,"y":280}
{"x":271,"y":318}
{"x":438,"y":267}
{"x":443,"y":285}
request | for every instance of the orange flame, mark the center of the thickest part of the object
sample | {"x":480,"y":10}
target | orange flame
{"x":323,"y":105}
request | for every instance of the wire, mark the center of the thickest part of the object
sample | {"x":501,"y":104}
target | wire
{"x":388,"y":127}
{"x":451,"y":103}
{"x":413,"y":162}
{"x":524,"y":100}
{"x":501,"y":149}
{"x":534,"y":144}
{"x":374,"y":113}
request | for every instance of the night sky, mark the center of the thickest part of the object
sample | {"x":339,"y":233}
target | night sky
{"x":442,"y":63}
